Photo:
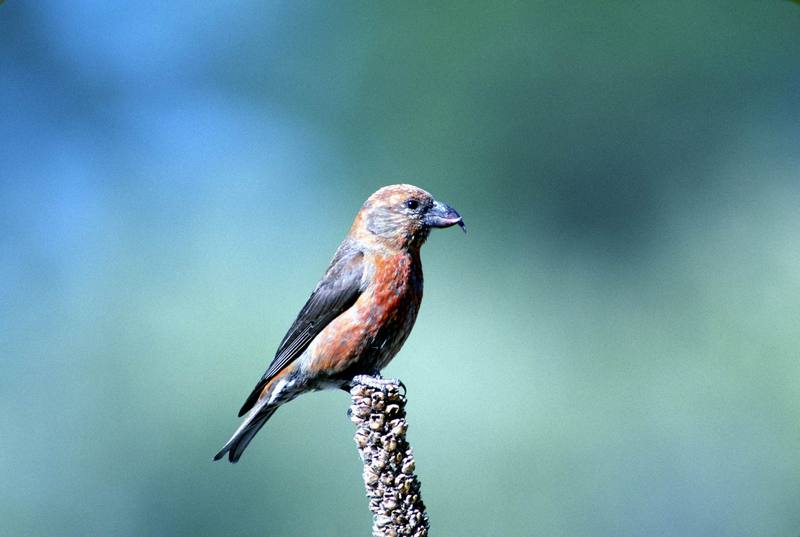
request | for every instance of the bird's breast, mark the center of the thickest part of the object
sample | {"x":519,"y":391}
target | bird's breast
{"x":369,"y":334}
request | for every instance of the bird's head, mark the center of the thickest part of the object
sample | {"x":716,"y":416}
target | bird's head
{"x":401,"y":216}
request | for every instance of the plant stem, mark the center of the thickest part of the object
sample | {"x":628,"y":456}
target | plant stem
{"x":379,"y":412}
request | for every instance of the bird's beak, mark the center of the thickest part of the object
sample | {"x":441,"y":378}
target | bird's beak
{"x":442,"y":215}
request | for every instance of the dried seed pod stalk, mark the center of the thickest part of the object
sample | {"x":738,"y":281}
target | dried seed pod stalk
{"x":379,"y":411}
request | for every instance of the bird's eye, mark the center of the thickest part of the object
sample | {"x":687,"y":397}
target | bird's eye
{"x":412,"y":204}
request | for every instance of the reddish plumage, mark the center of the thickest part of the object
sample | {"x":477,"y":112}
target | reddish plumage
{"x":360,"y":313}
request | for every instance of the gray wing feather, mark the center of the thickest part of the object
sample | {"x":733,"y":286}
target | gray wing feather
{"x":339,"y":288}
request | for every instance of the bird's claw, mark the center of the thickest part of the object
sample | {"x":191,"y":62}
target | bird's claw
{"x":378,"y":382}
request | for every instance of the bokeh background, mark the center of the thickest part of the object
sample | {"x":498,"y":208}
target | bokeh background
{"x":612,"y":350}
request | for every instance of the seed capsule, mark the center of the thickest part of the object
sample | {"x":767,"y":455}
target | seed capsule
{"x":408,"y":467}
{"x":376,"y":421}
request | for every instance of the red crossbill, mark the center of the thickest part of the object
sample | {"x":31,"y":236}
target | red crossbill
{"x":359,"y":314}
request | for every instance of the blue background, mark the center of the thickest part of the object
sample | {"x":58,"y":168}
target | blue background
{"x":612,"y":350}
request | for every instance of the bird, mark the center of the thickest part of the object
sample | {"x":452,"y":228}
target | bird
{"x":359,"y":314}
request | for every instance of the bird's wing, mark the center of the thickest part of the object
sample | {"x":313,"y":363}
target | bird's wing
{"x":339,"y":288}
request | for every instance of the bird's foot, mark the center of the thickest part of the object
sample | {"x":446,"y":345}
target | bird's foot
{"x":377,"y":381}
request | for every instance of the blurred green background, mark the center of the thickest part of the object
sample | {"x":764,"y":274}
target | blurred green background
{"x":612,"y":350}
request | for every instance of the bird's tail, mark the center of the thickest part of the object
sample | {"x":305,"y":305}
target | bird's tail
{"x":245,"y":433}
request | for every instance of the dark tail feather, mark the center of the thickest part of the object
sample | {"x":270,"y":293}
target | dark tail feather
{"x":252,"y":399}
{"x":244,"y":434}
